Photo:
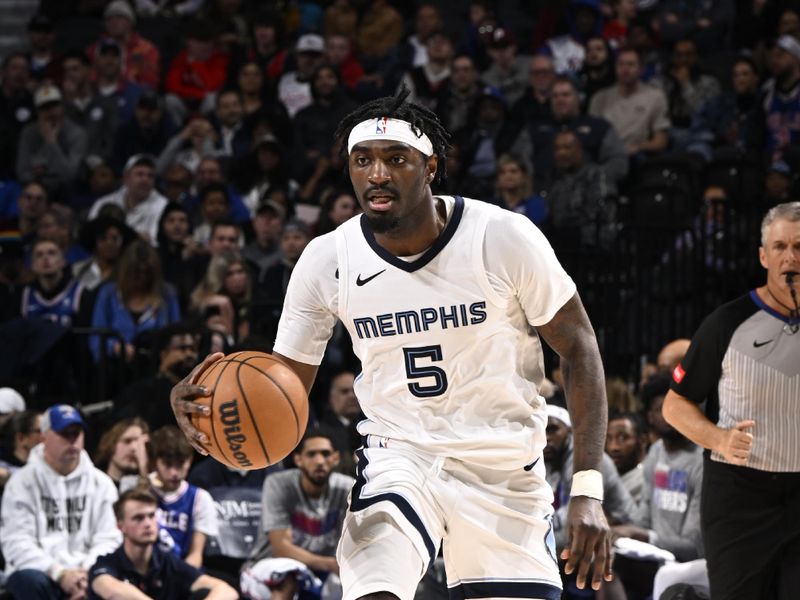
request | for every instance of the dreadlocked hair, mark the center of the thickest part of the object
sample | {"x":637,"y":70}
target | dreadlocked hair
{"x":422,"y":120}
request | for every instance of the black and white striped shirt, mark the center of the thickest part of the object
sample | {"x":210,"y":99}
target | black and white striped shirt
{"x":745,"y":361}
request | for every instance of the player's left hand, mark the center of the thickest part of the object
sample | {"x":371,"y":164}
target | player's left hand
{"x":588,"y":542}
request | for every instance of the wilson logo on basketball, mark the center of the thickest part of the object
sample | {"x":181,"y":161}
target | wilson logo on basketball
{"x":229,"y":416}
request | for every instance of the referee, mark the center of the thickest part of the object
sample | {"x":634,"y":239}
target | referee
{"x":744,"y":361}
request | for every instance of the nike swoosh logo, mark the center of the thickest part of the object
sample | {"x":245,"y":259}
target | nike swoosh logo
{"x":360,"y":282}
{"x":759,"y":344}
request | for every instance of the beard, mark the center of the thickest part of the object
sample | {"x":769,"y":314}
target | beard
{"x":182,"y":369}
{"x":383,"y":223}
{"x":673,"y":435}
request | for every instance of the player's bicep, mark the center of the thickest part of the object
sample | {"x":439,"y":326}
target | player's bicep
{"x":569,"y":329}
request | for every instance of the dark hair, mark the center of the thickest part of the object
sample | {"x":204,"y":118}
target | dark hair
{"x":748,"y":60}
{"x":639,"y":425}
{"x":20,"y":423}
{"x":165,"y":334}
{"x":566,"y":80}
{"x":227,"y":90}
{"x":199,"y":29}
{"x":225,"y":223}
{"x":312,"y":433}
{"x":75,"y":54}
{"x":136,"y":494}
{"x":422,"y":120}
{"x":42,"y":240}
{"x":9,"y":57}
{"x":214,"y":187}
{"x":269,"y":18}
{"x":630,"y":50}
{"x":168,"y":210}
{"x":325,"y":67}
{"x":169,"y":444}
{"x":657,"y":385}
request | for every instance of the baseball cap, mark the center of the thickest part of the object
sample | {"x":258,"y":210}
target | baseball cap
{"x":61,"y":416}
{"x":560,"y":413}
{"x":149,"y":99}
{"x":140,"y":159}
{"x":310,"y":42}
{"x":494,"y":93}
{"x":502,"y":38}
{"x":41,"y":24}
{"x":268,"y":140}
{"x":109,"y":46}
{"x":270,"y":205}
{"x":11,"y":401}
{"x":780,"y":166}
{"x":120,"y":8}
{"x":296,"y":225}
{"x":47,"y":94}
{"x":789,"y":44}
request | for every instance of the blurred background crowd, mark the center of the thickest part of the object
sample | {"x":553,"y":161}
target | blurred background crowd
{"x":163,"y":164}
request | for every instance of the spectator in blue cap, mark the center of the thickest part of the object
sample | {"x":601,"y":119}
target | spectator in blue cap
{"x":57,"y":513}
{"x":778,"y":183}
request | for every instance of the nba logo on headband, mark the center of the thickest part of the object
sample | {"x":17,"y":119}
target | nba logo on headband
{"x":386,"y":128}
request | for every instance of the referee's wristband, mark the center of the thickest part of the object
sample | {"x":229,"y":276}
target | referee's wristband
{"x":588,"y":483}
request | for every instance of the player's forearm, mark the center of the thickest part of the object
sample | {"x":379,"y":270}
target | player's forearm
{"x":584,"y":384}
{"x":686,"y":416}
{"x":570,"y":334}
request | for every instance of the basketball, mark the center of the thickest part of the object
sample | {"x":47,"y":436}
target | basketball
{"x":259,"y":410}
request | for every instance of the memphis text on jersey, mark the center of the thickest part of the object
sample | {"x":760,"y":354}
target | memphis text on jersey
{"x":416,"y":321}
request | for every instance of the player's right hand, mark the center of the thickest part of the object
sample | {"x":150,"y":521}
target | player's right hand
{"x":736,"y":443}
{"x":181,"y":396}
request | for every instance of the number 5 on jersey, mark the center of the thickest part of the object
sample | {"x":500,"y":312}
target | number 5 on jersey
{"x":414,"y":370}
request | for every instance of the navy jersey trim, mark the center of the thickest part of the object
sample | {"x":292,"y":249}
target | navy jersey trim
{"x":763,"y":306}
{"x":430,"y":253}
{"x":505,"y":589}
{"x":358,"y":503}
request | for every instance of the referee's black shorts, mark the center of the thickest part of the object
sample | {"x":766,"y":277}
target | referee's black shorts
{"x":751,"y":532}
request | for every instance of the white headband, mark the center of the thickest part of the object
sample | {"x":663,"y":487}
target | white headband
{"x":384,"y":128}
{"x":557,"y":412}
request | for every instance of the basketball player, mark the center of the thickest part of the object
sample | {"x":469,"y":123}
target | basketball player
{"x":443,"y":298}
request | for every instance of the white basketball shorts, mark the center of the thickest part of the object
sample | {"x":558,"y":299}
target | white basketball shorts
{"x":495,"y":527}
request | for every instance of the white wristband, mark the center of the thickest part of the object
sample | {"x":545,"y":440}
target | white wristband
{"x":588,"y":483}
{"x":55,"y":572}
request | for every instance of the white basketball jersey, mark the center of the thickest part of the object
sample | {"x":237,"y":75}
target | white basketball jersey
{"x":450,"y":360}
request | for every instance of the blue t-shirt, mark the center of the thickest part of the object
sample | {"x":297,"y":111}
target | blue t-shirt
{"x":167,"y":577}
{"x":176,"y":519}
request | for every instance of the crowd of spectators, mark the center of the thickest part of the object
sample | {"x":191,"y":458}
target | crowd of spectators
{"x":163,"y":165}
